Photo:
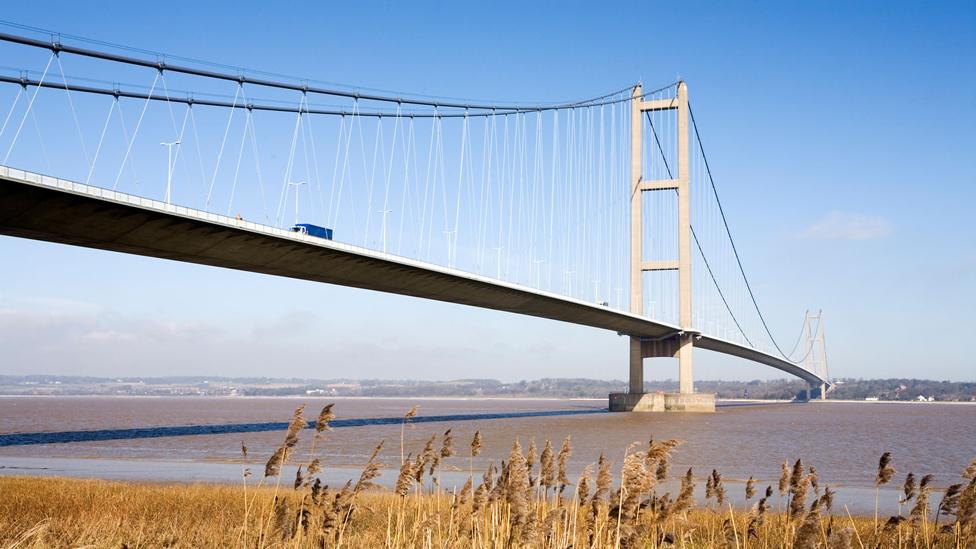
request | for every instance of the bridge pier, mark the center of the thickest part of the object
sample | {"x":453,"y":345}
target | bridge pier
{"x":637,"y":400}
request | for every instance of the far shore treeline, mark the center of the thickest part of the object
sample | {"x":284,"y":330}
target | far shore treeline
{"x":778,"y":389}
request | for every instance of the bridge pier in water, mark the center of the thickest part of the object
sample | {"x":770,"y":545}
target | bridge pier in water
{"x":678,"y":344}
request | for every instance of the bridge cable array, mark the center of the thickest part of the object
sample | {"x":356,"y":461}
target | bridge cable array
{"x":542,"y":185}
{"x":728,"y":232}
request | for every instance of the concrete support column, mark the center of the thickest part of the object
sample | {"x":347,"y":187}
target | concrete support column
{"x":636,"y":366}
{"x":686,"y":383}
{"x":686,"y":378}
{"x":636,"y":237}
{"x":636,"y":205}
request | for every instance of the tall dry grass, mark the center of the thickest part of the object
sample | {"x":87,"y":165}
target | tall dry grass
{"x":525,"y":501}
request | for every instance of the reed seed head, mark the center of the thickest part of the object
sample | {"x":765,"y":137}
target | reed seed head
{"x":827,"y":499}
{"x":583,"y":486}
{"x":796,"y":476}
{"x":798,"y":495}
{"x":531,"y":458}
{"x":547,"y":473}
{"x":603,"y":480}
{"x":447,"y":447}
{"x":719,"y":487}
{"x":405,"y":478}
{"x":462,"y":498}
{"x":325,"y":417}
{"x":885,"y":470}
{"x":480,"y":498}
{"x":428,"y":457}
{"x":950,"y":500}
{"x":411,"y":413}
{"x":295,"y":426}
{"x":784,"y":478}
{"x":908,"y":489}
{"x":476,"y":444}
{"x":686,"y":497}
{"x":370,"y":472}
{"x":562,"y":459}
{"x":314,"y":467}
{"x":277,"y":459}
{"x":970,"y":472}
{"x":966,"y":512}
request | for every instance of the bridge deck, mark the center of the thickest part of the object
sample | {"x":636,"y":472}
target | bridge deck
{"x":50,"y":209}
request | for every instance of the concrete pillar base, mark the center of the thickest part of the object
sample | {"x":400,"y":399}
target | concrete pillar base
{"x":696,"y":402}
{"x":636,"y":402}
{"x":662,"y":402}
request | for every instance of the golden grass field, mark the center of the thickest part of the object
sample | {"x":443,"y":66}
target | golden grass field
{"x":526,"y":501}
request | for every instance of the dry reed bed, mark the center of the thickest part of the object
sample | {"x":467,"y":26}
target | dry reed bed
{"x":528,"y":500}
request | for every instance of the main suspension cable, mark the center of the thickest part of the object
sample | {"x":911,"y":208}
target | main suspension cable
{"x":695,"y":236}
{"x":57,"y":47}
{"x":725,"y":222}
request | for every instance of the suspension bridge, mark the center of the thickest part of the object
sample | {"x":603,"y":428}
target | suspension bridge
{"x":601,"y":212}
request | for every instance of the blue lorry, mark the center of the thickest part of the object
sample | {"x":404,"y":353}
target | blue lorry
{"x":313,"y":230}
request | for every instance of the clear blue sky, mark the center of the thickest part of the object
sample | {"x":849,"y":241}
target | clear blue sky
{"x":843,"y":137}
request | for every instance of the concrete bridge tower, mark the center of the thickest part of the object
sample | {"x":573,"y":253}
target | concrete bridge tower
{"x":815,"y":357}
{"x":680,"y":344}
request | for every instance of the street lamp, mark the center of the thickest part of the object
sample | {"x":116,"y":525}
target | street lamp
{"x":450,"y":261}
{"x":169,"y":167}
{"x":296,"y":184}
{"x":383,"y":213}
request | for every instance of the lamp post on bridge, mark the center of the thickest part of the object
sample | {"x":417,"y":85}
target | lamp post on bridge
{"x":296,"y":184}
{"x":450,"y":249}
{"x":383,"y":212}
{"x":169,"y":167}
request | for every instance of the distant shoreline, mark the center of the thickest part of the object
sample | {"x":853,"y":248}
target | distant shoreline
{"x":542,"y":389}
{"x":852,"y":401}
{"x":467,"y":398}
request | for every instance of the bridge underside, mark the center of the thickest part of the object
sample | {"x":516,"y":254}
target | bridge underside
{"x":48,"y":209}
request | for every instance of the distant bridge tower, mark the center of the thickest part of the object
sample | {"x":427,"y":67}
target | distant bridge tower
{"x":815,"y":355}
{"x":680,"y":344}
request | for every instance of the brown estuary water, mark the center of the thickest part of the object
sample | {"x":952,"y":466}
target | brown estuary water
{"x":198,"y":439}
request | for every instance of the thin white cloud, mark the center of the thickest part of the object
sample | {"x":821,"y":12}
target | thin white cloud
{"x":849,"y":226}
